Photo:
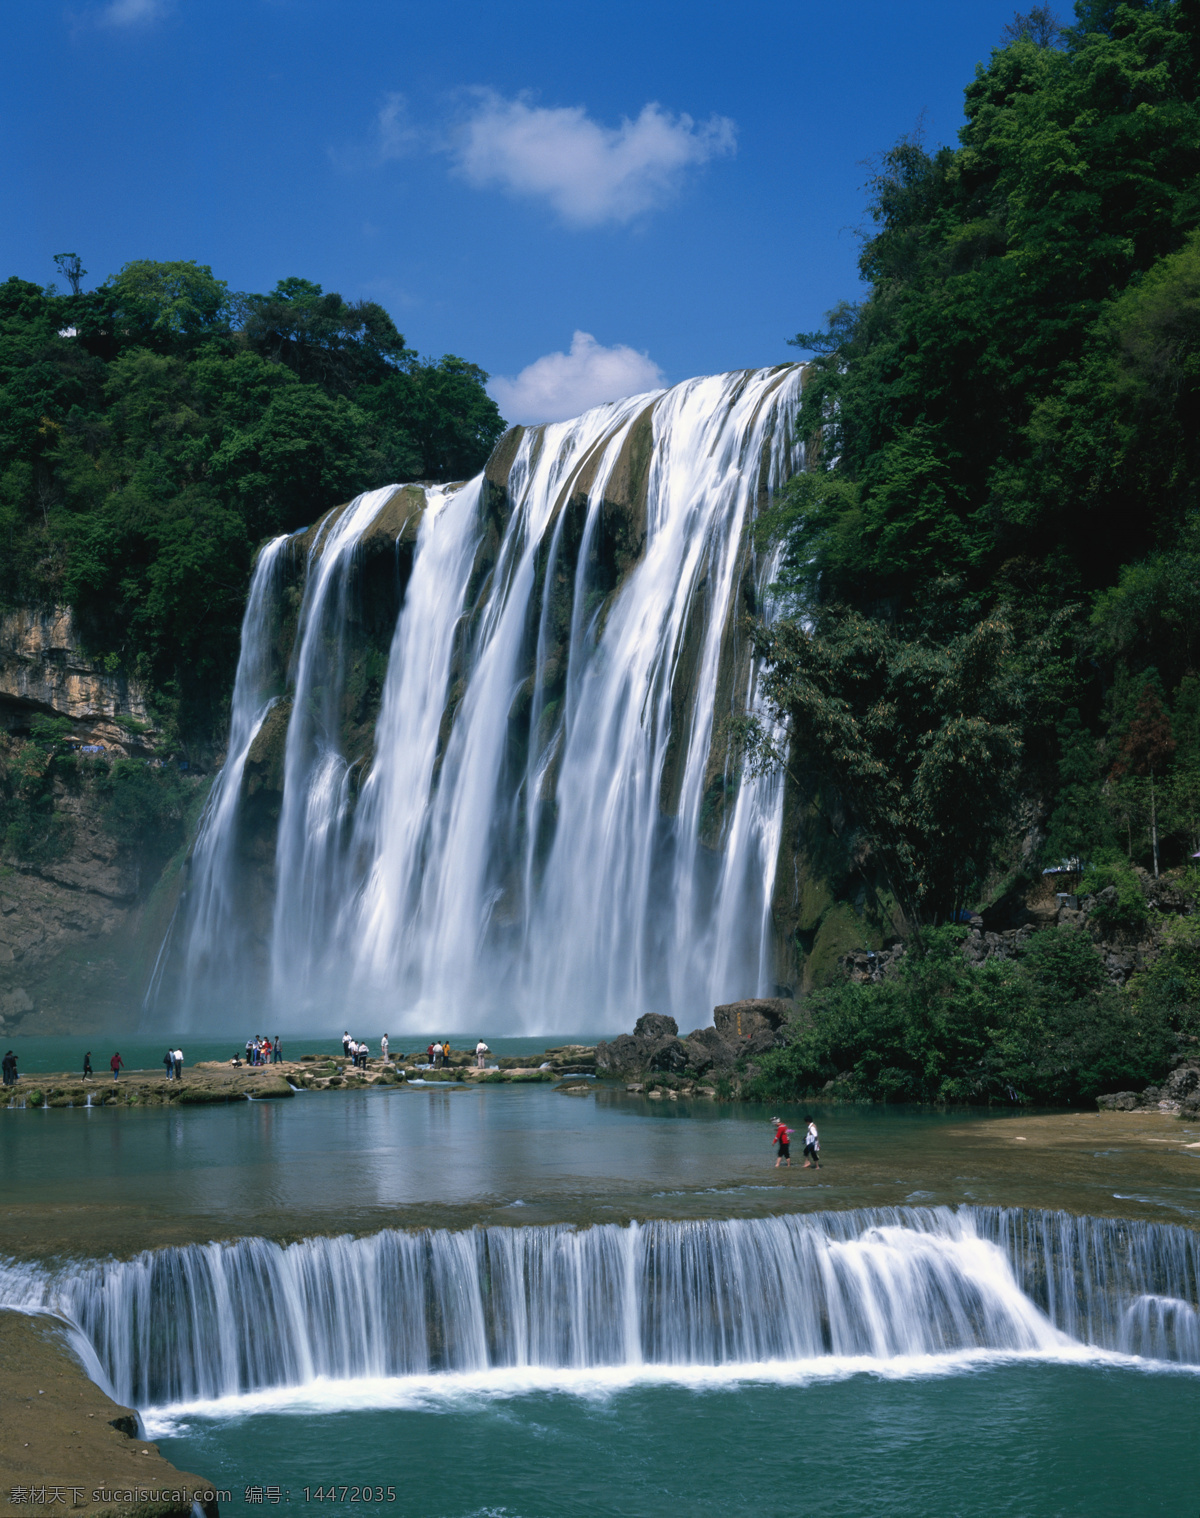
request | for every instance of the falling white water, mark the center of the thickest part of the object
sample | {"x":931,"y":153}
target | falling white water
{"x":552,"y":832}
{"x":308,"y":854}
{"x":215,"y":940}
{"x":888,"y":1290}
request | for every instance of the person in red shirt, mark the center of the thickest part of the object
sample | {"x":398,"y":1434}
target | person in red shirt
{"x":115,"y":1064}
{"x":782,"y":1138}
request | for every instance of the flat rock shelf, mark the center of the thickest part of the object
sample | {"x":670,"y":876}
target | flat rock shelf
{"x":219,"y":1081}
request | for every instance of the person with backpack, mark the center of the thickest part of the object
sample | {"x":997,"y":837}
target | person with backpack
{"x":812,"y":1145}
{"x":782,"y":1139}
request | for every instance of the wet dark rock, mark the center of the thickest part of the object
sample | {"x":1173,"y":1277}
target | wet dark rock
{"x":654,"y":1047}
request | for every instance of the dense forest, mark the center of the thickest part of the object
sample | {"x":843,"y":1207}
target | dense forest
{"x":992,"y":564}
{"x":156,"y":429}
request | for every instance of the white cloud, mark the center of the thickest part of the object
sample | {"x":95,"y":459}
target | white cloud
{"x":561,"y":385}
{"x":131,"y":12}
{"x":395,"y":136}
{"x":589,"y":173}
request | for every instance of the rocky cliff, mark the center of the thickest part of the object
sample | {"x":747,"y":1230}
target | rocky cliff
{"x":90,"y":812}
{"x":44,"y":668}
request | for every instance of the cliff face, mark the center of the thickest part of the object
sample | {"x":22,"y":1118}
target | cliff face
{"x":87,"y":820}
{"x":44,"y":669}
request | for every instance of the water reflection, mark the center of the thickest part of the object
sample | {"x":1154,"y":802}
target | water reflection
{"x":108,"y":1179}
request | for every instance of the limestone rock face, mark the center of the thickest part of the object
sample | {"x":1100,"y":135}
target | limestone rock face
{"x":77,"y":925}
{"x":43,"y":667}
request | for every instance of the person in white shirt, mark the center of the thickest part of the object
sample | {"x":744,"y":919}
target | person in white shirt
{"x":177,"y":1056}
{"x":812,"y":1146}
{"x":481,"y":1050}
{"x":383,"y":1048}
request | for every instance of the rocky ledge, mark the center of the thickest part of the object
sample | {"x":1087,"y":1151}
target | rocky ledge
{"x":739,"y":1029}
{"x":1179,"y":1094}
{"x":218,"y":1081}
{"x":66,"y":1443}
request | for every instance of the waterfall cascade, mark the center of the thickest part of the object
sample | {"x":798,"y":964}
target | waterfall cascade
{"x":547,"y":826}
{"x":210,"y":1321}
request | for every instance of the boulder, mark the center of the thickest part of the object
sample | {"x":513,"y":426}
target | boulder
{"x":753,"y":1026}
{"x":669,"y":1055}
{"x":655,"y":1025}
{"x":709,"y":1051}
{"x":743,"y":1027}
{"x":653,"y":1045}
{"x":622,"y":1056}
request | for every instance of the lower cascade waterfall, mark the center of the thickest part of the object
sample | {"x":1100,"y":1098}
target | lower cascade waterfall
{"x":202,"y":1322}
{"x":540,"y":816}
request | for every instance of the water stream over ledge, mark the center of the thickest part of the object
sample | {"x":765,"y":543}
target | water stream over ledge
{"x":824,"y":1291}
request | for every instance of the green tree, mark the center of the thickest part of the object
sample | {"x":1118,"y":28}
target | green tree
{"x":920,"y":740}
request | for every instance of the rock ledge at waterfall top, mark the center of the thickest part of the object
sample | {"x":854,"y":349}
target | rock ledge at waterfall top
{"x":63,"y":1434}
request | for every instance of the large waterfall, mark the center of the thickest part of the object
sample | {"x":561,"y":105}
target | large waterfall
{"x":546,"y":826}
{"x":873,"y":1287}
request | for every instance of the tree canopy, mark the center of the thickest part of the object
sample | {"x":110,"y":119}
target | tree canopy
{"x":1005,"y":430}
{"x":154,"y":430}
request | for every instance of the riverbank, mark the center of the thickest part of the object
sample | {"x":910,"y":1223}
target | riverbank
{"x":67,"y":1443}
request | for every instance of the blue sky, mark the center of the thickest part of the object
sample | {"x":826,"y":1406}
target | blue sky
{"x":677,"y":184}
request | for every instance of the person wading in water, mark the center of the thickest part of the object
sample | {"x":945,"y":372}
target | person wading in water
{"x":783,"y":1138}
{"x":812,"y":1145}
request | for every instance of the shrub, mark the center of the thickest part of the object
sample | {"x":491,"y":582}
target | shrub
{"x":1120,"y":902}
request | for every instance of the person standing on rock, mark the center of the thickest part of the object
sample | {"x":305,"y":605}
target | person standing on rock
{"x":177,"y":1057}
{"x":346,"y":1044}
{"x":812,"y":1145}
{"x":783,"y":1140}
{"x":10,"y":1069}
{"x":481,"y":1051}
{"x":169,"y":1061}
{"x":87,"y":1066}
{"x":383,"y":1048}
{"x":277,"y":1052}
{"x":116,"y":1064}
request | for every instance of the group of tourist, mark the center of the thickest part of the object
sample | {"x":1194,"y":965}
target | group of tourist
{"x":261,"y":1051}
{"x":439,"y":1054}
{"x":173,"y":1059}
{"x":10,"y":1069}
{"x":358,"y":1053}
